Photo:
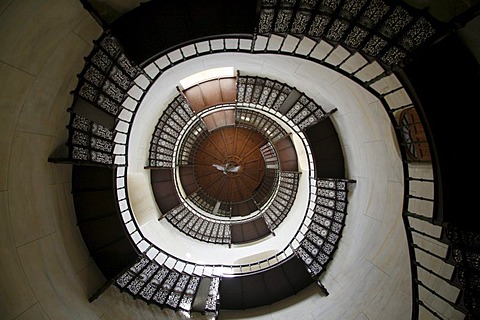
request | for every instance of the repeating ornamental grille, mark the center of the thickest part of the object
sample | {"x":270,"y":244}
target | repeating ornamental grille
{"x":193,"y":138}
{"x":180,"y":132}
{"x":198,"y":227}
{"x":379,"y":28}
{"x":264,"y":192}
{"x":262,"y":91}
{"x":465,"y":251}
{"x":305,"y":112}
{"x":167,"y":131}
{"x":212,"y":302}
{"x":103,"y":86}
{"x":158,"y":284}
{"x":356,"y":34}
{"x":327,"y":222}
{"x":195,"y":225}
{"x":284,"y":199}
{"x":269,"y":156}
{"x":107,"y":76}
{"x":251,"y":119}
{"x":205,"y":202}
{"x":90,"y":142}
{"x":302,"y":110}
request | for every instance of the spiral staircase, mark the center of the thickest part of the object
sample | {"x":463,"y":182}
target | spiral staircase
{"x":371,"y":42}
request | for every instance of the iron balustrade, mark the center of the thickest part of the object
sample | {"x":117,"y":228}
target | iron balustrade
{"x":354,"y":65}
{"x":368,"y":74}
{"x":334,"y":34}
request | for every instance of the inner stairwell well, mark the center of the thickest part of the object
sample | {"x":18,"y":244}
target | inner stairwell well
{"x":115,"y":85}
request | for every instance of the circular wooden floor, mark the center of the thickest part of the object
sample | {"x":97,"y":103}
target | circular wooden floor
{"x":229,"y":166}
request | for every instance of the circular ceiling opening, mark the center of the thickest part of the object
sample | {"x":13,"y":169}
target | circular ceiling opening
{"x":229,"y":165}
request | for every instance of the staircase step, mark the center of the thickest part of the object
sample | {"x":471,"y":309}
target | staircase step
{"x":326,"y":149}
{"x":94,"y":204}
{"x":305,"y":46}
{"x":92,"y":178}
{"x":290,"y":44}
{"x":201,"y":297}
{"x":264,"y":288}
{"x":290,"y":101}
{"x":115,"y":258}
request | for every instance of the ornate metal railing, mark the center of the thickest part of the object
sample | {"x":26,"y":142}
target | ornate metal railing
{"x":386,"y":31}
{"x":349,"y":43}
{"x":383,"y":84}
{"x":165,"y":287}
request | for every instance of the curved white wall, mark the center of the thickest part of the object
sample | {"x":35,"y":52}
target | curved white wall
{"x":45,"y":267}
{"x":46,"y":270}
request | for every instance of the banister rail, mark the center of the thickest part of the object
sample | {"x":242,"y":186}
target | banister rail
{"x":392,"y":109}
{"x":248,"y":44}
{"x":291,"y":248}
{"x":237,"y":37}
